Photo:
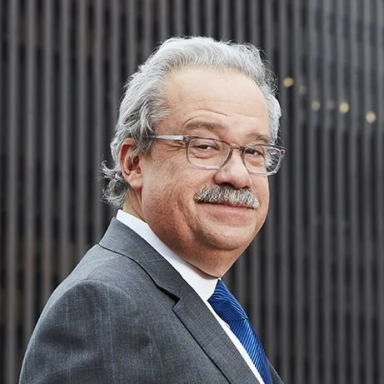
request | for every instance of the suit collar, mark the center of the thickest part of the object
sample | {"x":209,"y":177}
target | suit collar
{"x":121,"y":239}
{"x":189,"y":308}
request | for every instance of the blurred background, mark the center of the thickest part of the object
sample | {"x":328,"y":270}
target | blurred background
{"x":313,"y":280}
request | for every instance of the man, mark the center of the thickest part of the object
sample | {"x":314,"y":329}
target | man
{"x":192,"y":153}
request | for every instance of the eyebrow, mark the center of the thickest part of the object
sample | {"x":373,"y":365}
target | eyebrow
{"x":260,"y":137}
{"x":218,"y":127}
{"x":203,"y":124}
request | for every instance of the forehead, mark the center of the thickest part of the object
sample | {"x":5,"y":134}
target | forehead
{"x":194,"y":82}
{"x":218,"y":96}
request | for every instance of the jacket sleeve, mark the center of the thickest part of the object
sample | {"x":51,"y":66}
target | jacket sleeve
{"x":85,"y":335}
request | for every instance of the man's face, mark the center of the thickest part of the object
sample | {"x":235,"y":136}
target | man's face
{"x":220,"y":104}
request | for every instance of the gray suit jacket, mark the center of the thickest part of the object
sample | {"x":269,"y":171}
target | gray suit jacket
{"x":125,"y":315}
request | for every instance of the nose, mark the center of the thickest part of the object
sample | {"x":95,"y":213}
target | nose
{"x":234,"y":172}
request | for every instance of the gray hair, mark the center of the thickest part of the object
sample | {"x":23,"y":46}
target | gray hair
{"x":143,"y":106}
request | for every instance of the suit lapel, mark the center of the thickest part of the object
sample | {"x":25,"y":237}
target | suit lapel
{"x":205,"y":329}
{"x":189,"y":307}
{"x":275,"y":377}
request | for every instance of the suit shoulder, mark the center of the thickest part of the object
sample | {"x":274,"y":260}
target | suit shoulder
{"x":107,"y":266}
{"x":106,"y":269}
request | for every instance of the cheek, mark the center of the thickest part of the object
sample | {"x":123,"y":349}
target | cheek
{"x":262,"y":192}
{"x":164,"y":186}
{"x":265,"y":196}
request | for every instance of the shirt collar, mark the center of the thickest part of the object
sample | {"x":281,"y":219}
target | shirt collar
{"x":203,"y":285}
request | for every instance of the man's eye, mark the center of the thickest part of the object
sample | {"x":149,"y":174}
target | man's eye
{"x":254,"y":152}
{"x":205,"y":147}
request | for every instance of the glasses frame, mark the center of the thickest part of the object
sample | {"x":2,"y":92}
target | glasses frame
{"x":186,"y":139}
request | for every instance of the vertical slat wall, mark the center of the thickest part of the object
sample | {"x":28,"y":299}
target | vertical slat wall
{"x":47,"y":149}
{"x":340,"y":191}
{"x":366,"y":193}
{"x":283,"y":345}
{"x":312,"y":281}
{"x":64,"y":160}
{"x":378,"y":220}
{"x":29,"y":194}
{"x":11,"y":189}
{"x":352,"y":172}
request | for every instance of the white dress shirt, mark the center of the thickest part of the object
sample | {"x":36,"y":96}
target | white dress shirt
{"x":203,"y":284}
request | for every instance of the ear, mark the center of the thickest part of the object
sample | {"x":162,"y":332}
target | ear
{"x":130,"y":164}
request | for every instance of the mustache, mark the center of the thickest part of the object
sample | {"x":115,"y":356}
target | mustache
{"x":217,"y":194}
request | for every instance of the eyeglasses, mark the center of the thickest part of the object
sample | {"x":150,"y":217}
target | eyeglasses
{"x":206,"y":153}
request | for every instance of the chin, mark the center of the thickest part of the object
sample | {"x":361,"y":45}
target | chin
{"x":232,"y":241}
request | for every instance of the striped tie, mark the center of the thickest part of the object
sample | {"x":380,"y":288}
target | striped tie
{"x":230,"y":310}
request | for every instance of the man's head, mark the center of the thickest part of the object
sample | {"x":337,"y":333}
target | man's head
{"x":207,"y":208}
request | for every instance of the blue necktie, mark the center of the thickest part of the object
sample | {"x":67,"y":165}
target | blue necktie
{"x":230,"y":310}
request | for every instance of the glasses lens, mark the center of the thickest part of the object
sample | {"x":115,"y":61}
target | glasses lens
{"x":212,"y":154}
{"x":262,"y":159}
{"x":206,"y":152}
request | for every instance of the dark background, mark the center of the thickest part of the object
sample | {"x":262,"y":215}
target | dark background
{"x":313,"y":280}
